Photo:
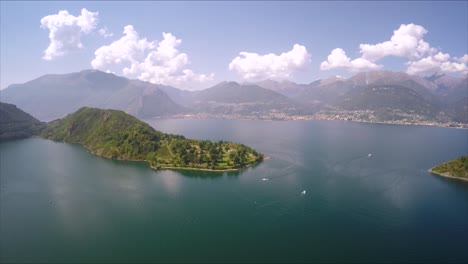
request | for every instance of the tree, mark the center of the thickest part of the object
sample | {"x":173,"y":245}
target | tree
{"x":152,"y":158}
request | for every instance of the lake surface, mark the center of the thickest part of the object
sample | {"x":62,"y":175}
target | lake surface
{"x":59,"y":203}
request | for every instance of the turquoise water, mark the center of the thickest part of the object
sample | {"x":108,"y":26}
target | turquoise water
{"x":59,"y":203}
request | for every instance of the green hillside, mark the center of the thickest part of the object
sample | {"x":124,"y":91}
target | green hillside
{"x":457,"y":168}
{"x":117,"y":135}
{"x":15,"y":123}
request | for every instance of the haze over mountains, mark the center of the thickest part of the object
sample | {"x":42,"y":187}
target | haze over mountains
{"x":384,"y":95}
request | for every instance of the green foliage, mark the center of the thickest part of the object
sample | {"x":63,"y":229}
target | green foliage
{"x":15,"y":123}
{"x":117,"y":135}
{"x":457,"y":167}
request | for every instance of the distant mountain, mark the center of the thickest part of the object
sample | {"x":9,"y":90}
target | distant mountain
{"x":15,"y":123}
{"x":435,"y":98}
{"x":385,"y":90}
{"x":53,"y":96}
{"x":234,"y":98}
{"x":388,"y":98}
{"x":325,"y":92}
{"x":286,"y":88}
{"x":458,"y":110}
{"x":181,"y":97}
{"x":450,"y":89}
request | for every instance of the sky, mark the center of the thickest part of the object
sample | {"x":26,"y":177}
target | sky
{"x":194,"y":45}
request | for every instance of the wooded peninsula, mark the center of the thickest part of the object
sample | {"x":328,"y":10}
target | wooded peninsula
{"x":456,"y":168}
{"x":117,"y":135}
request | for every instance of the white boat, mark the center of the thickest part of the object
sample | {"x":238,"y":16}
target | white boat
{"x":369,"y":155}
{"x":303,"y":192}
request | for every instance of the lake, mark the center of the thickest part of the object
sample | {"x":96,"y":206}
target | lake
{"x":59,"y":203}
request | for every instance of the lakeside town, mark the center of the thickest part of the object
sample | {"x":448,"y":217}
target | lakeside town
{"x":363,"y":116}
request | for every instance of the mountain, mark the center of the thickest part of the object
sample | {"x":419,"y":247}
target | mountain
{"x":450,"y":89}
{"x":117,"y":135}
{"x":438,"y":98}
{"x":458,"y":110}
{"x":53,"y":96}
{"x":15,"y":123}
{"x":181,"y":97}
{"x":388,"y":101}
{"x":286,"y":88}
{"x":246,"y":100}
{"x":325,"y":92}
{"x":385,"y":91}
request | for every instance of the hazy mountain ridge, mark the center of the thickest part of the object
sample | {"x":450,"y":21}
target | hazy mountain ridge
{"x":54,"y":96}
{"x":234,"y":98}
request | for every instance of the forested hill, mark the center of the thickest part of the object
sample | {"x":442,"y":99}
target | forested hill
{"x":15,"y":123}
{"x":456,"y":168}
{"x":117,"y":135}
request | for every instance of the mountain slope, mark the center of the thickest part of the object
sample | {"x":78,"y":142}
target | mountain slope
{"x":115,"y":134}
{"x":54,"y":96}
{"x":286,"y":88}
{"x":15,"y":123}
{"x":386,"y":99}
{"x":233,"y":98}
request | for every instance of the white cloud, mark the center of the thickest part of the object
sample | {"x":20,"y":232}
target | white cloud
{"x":339,"y":60}
{"x":160,"y":63}
{"x":129,"y":48}
{"x":255,"y":66}
{"x":407,"y":42}
{"x":105,"y":32}
{"x":463,"y":59}
{"x":439,"y":62}
{"x":65,"y":31}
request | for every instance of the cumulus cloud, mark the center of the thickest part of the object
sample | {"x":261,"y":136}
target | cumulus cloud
{"x":130,"y":48}
{"x":439,"y":62}
{"x":105,"y":32}
{"x":65,"y":31}
{"x":160,"y":63}
{"x":339,"y":60}
{"x":407,"y":41}
{"x":463,"y":59}
{"x":254,"y":66}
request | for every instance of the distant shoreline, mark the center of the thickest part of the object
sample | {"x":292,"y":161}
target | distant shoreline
{"x":446,"y":175}
{"x":307,"y":118}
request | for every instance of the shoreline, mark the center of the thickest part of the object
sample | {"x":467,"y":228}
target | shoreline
{"x":160,"y":168}
{"x":446,"y":175}
{"x":309,"y":118}
{"x":203,"y":169}
{"x":195,"y":169}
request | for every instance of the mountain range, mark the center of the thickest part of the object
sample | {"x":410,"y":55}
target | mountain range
{"x":384,"y":95}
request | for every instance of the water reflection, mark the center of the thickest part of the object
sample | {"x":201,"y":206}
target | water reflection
{"x":214,"y":174}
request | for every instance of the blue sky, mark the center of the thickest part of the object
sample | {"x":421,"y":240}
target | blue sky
{"x":327,"y":36}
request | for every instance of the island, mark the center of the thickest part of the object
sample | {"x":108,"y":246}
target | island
{"x":116,"y":135}
{"x":456,"y":168}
